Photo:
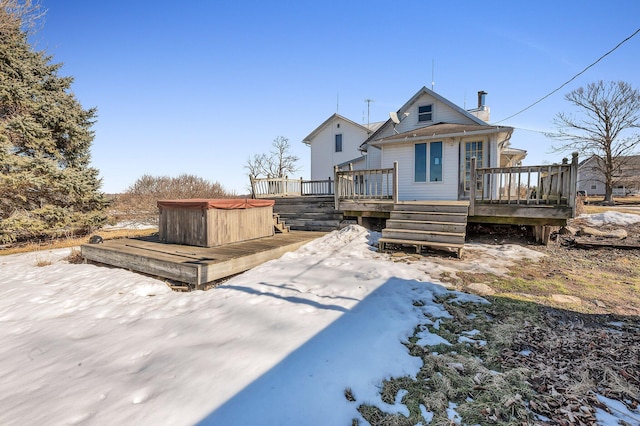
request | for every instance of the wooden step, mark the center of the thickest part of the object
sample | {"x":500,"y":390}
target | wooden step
{"x":419,"y":225}
{"x":433,"y":207}
{"x":424,"y":236}
{"x":308,"y":213}
{"x":429,"y":216}
{"x":287,"y":217}
{"x":457,"y":248}
{"x":279,"y":225}
{"x":302,"y":224}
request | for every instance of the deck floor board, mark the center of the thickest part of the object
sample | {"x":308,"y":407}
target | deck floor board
{"x":194,"y":265}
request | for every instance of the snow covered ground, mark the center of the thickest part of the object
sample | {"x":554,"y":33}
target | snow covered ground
{"x":84,"y":344}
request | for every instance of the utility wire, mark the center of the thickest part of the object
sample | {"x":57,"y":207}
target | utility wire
{"x":570,"y":80}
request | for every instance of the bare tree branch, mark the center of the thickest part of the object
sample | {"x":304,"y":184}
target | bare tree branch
{"x":25,"y":15}
{"x":278,"y":163}
{"x":608,"y":114}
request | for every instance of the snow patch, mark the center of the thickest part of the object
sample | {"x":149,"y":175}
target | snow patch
{"x":610,"y":218}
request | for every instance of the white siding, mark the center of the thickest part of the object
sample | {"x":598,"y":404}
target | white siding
{"x":441,"y":114}
{"x":588,"y":177}
{"x":323,"y":155}
{"x":374,"y":158}
{"x":410,"y":190}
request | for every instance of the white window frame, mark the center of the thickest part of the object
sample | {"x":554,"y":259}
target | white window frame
{"x":428,"y":163}
{"x":423,"y":114}
{"x":335,"y":143}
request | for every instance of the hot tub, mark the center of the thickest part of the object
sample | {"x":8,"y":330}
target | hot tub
{"x":213,"y":222}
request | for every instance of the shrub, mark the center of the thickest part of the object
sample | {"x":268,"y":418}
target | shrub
{"x":140,"y":199}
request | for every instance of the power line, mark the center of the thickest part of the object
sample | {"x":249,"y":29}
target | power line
{"x":571,"y":79}
{"x":542,"y":132}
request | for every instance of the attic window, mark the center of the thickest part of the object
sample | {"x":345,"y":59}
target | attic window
{"x":338,"y":125}
{"x":425,"y":113}
{"x":339,"y":143}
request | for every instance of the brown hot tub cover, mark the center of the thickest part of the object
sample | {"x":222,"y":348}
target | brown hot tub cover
{"x":218,"y":203}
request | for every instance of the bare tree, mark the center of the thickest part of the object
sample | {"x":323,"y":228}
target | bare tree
{"x":20,"y":14}
{"x":278,"y":163}
{"x":604,"y":128}
{"x":140,"y":199}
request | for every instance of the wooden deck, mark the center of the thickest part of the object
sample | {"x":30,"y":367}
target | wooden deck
{"x":195,"y":266}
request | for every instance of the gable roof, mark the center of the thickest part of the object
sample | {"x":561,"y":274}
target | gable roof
{"x":624,"y":163}
{"x":439,"y":98}
{"x":354,"y":160}
{"x":328,"y":121}
{"x":443,"y":130}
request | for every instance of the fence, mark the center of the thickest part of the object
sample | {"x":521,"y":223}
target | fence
{"x":374,"y":184}
{"x":285,"y":187}
{"x":525,"y":185}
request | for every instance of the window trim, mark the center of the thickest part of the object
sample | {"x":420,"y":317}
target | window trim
{"x":426,"y":173}
{"x":424,"y":114}
{"x":337,"y":140}
{"x":467,"y":161}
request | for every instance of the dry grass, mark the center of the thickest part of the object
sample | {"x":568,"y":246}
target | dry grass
{"x":74,"y":242}
{"x":75,"y":256}
{"x":40,"y":262}
{"x":605,"y":281}
{"x":470,"y":375}
{"x":592,"y":209}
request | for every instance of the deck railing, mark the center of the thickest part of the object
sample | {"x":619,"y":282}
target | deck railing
{"x":525,"y":185}
{"x":285,"y":187}
{"x":373,"y":184}
{"x":317,"y":187}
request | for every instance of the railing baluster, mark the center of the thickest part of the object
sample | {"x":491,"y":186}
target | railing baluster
{"x":539,"y":189}
{"x":528,"y":192}
{"x":558,"y":183}
{"x":509,"y":176}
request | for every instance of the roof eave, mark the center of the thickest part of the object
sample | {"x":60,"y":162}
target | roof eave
{"x":444,"y":135}
{"x":334,"y":116}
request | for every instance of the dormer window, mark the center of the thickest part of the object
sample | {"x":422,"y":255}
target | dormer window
{"x":425,"y":113}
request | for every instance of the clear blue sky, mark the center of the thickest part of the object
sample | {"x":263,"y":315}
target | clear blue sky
{"x":200,"y":86}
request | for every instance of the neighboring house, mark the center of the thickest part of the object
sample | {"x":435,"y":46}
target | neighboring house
{"x":336,"y":142}
{"x":433,"y":141}
{"x":626,"y":177}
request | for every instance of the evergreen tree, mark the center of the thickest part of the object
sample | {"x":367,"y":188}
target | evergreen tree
{"x":48,"y":187}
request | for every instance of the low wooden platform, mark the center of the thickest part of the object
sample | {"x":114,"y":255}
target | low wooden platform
{"x":195,"y":266}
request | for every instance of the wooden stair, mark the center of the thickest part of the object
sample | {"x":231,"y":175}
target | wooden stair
{"x":438,"y":225}
{"x":279,"y":226}
{"x":309,"y":213}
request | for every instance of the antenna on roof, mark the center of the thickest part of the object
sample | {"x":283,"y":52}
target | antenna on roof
{"x":433,"y":81}
{"x":337,"y":102}
{"x":368,"y":101}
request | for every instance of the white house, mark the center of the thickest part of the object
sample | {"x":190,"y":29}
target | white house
{"x":625,"y":178}
{"x":336,"y":142}
{"x":431,"y":139}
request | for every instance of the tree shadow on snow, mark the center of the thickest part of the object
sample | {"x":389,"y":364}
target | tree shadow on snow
{"x":357,"y":351}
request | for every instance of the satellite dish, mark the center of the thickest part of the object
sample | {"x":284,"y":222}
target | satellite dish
{"x":394,"y":117}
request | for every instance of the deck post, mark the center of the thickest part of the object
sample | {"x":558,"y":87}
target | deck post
{"x":472,"y":187}
{"x":336,"y":195}
{"x":573,"y":183}
{"x":395,"y":182}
